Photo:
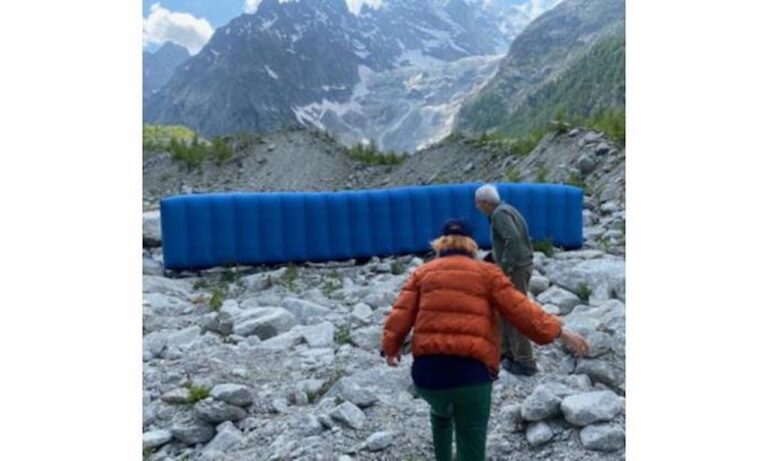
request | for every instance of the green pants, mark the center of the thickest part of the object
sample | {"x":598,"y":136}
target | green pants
{"x":466,"y":408}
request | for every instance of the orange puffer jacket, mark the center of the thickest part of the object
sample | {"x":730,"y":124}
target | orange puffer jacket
{"x":453,"y":304}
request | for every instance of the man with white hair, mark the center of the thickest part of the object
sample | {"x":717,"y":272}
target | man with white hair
{"x":513,"y":253}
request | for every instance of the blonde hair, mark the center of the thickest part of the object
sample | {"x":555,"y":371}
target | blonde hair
{"x":454,"y":242}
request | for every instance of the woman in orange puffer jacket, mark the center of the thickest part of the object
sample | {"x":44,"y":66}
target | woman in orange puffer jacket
{"x":453,"y":303}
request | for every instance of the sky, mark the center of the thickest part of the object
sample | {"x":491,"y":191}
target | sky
{"x":190,"y":23}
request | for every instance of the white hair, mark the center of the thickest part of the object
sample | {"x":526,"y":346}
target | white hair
{"x":488,"y":193}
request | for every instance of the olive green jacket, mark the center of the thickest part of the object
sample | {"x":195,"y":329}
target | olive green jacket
{"x":511,"y":244}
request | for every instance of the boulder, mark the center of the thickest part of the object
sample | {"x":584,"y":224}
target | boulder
{"x":306,"y":312}
{"x":349,"y":414}
{"x":151,"y":232}
{"x":591,"y":407}
{"x":154,"y":439}
{"x":264,"y":322}
{"x":538,"y":433}
{"x":563,"y":298}
{"x":214,"y":411}
{"x":234,"y":394}
{"x":602,"y":437}
{"x":541,"y":404}
{"x":192,"y":431}
{"x":379,"y":441}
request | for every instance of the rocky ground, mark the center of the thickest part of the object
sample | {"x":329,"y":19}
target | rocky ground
{"x":282,"y":363}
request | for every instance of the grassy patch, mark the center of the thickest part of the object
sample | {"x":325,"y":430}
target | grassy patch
{"x":218,"y":294}
{"x":289,"y":277}
{"x":545,"y":246}
{"x":512,"y":175}
{"x":197,"y":393}
{"x":370,"y":155}
{"x":397,"y":267}
{"x":584,"y":292}
{"x":341,"y":336}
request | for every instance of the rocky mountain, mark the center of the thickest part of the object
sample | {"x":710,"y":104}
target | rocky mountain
{"x":158,"y":67}
{"x":570,"y":60}
{"x":395,"y":75}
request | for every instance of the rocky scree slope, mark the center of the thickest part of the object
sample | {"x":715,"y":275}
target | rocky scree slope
{"x":278,"y":364}
{"x":306,"y":160}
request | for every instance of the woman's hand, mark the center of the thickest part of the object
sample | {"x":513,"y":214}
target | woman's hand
{"x":393,"y":360}
{"x":575,"y":342}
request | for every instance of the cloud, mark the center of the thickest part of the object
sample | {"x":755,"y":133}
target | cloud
{"x":354,"y":5}
{"x":182,"y":29}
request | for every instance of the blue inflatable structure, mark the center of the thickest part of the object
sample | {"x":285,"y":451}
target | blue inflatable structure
{"x":207,"y":230}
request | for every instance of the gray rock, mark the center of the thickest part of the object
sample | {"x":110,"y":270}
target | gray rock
{"x":310,"y":386}
{"x":588,"y":218}
{"x":573,"y":132}
{"x":298,"y":398}
{"x":215,"y":411}
{"x":326,"y":421}
{"x":564,"y":386}
{"x":538,"y":433}
{"x":234,"y":394}
{"x":541,"y":404}
{"x":552,"y":309}
{"x":379,"y":441}
{"x":362,"y":312}
{"x":349,"y":414}
{"x":172,"y":287}
{"x":599,"y":371}
{"x":228,"y":438}
{"x":602,"y":437}
{"x":320,"y":335}
{"x":368,"y":338}
{"x":305,"y":311}
{"x":176,"y":396}
{"x":283,"y":342}
{"x":148,"y":414}
{"x":602,"y":148}
{"x":311,"y":426}
{"x":183,"y":339}
{"x":590,"y":407}
{"x":167,"y":305}
{"x":511,"y":417}
{"x":154,"y":439}
{"x":604,"y":276}
{"x":357,"y":395}
{"x":151,"y":232}
{"x":592,"y":137}
{"x":380,"y":298}
{"x":586,"y":164}
{"x":538,"y":284}
{"x":609,"y":207}
{"x":192,"y":431}
{"x":151,"y":267}
{"x":264,"y":322}
{"x":563,"y":298}
{"x":279,"y":405}
{"x":154,"y":345}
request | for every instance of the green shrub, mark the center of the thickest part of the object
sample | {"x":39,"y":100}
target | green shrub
{"x":545,"y":246}
{"x":397,"y":267}
{"x":341,"y":335}
{"x":218,"y":294}
{"x":369,"y":155}
{"x":197,"y":393}
{"x":512,"y":175}
{"x":289,"y":277}
{"x":541,"y":173}
{"x":584,"y":292}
